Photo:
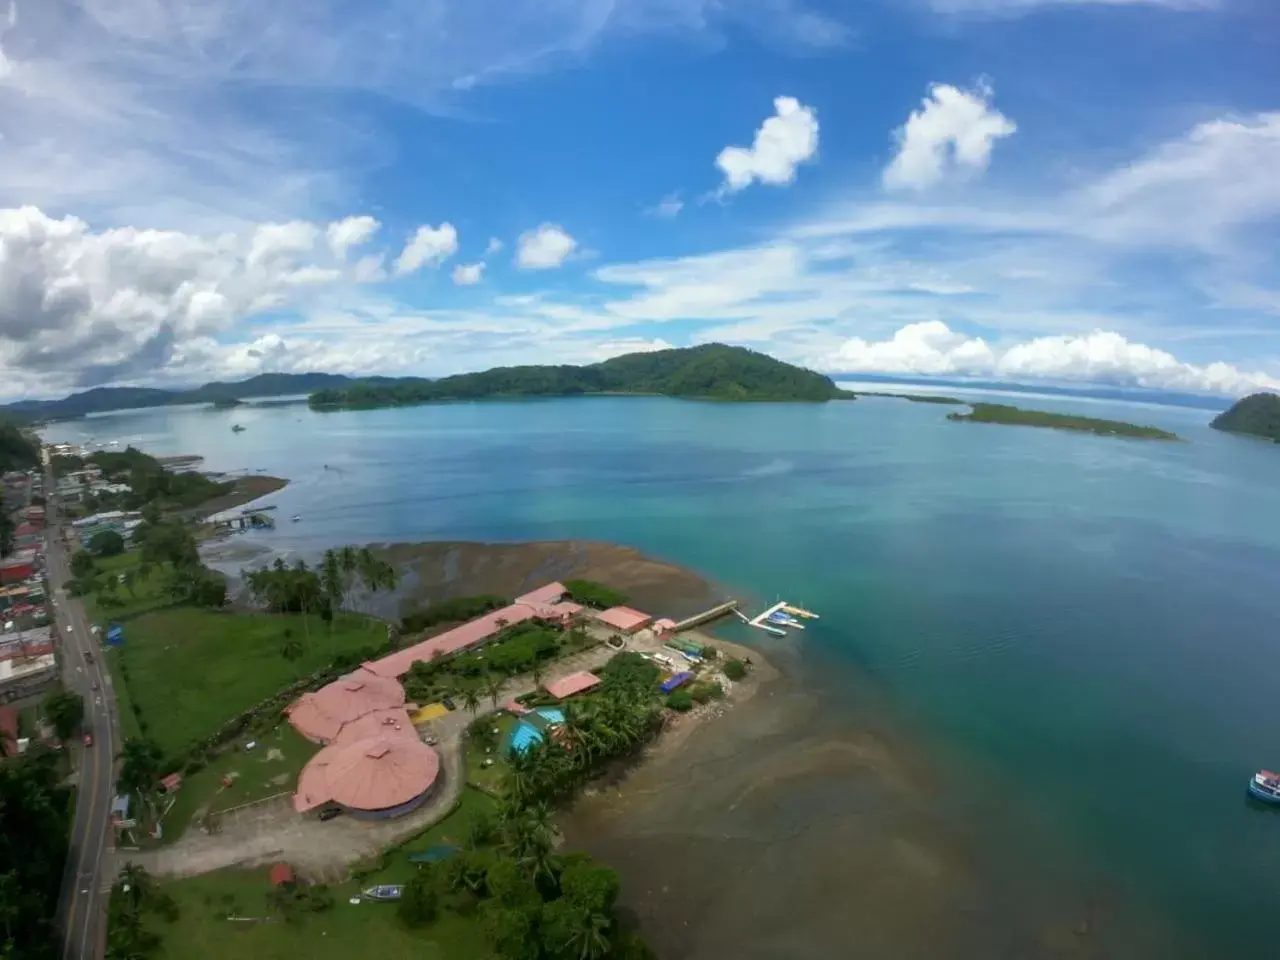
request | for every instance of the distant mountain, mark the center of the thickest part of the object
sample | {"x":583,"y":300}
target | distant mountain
{"x":712,"y":372}
{"x":1257,"y":415}
{"x":102,"y":399}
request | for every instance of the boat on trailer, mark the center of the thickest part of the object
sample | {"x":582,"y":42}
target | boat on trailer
{"x":1265,"y":786}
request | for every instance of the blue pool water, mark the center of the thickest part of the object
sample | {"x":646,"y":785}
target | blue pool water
{"x":551,"y":714}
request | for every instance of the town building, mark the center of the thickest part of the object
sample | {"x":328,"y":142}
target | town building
{"x":623,"y":619}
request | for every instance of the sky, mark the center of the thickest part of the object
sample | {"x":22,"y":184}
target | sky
{"x":1072,"y":191}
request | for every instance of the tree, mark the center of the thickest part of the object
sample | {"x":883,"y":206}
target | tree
{"x":65,"y":711}
{"x":140,"y":765}
{"x":130,"y":579}
{"x":471,"y":700}
{"x":573,"y":933}
{"x":82,"y":565}
{"x":493,"y":687}
{"x":107,"y":543}
{"x":419,"y":902}
{"x":512,"y":931}
{"x":735,"y":669}
{"x":590,"y":886}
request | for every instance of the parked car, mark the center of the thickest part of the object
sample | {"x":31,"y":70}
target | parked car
{"x":88,"y":739}
{"x":449,"y":704}
{"x":330,"y":813}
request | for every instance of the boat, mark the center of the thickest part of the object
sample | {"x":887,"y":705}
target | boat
{"x":296,"y":517}
{"x":801,"y":612}
{"x":383,"y":892}
{"x":768,"y":629}
{"x":1265,"y":786}
{"x":236,"y":428}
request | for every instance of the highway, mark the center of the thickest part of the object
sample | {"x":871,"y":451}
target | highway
{"x":83,"y":905}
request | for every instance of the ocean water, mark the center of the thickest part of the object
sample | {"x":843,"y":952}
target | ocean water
{"x":1080,"y":633}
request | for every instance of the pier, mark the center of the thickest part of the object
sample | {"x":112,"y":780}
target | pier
{"x":715,"y":613}
{"x":781,"y":614}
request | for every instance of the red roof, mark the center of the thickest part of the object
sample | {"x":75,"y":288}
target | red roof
{"x":281,"y":873}
{"x":375,"y":773}
{"x":623,"y":618}
{"x":321,"y":715}
{"x":171,"y":782}
{"x":573,"y":683}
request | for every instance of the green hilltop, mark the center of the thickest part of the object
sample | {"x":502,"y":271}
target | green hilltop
{"x":711,"y":372}
{"x":1257,"y":415}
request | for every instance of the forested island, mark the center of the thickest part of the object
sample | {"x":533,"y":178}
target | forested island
{"x":1002,"y":413}
{"x":1257,"y":415}
{"x":710,"y":372}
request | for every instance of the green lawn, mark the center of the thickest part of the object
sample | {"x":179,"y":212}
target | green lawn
{"x":396,"y":867}
{"x":190,"y":670}
{"x":271,"y":767}
{"x":490,"y":778}
{"x":347,"y":931}
{"x":147,"y":594}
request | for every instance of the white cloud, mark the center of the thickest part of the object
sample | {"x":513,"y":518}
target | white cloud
{"x":785,"y":140}
{"x":468,"y":274}
{"x":494,"y":246}
{"x":351,"y":232}
{"x":932,"y":348}
{"x":429,"y":246}
{"x":952,"y":134}
{"x":544,"y":248}
{"x":667,"y":208}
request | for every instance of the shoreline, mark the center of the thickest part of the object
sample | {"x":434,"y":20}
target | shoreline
{"x":247,"y":489}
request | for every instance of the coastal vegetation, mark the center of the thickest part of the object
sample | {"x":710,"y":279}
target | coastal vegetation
{"x":915,"y":397}
{"x":453,"y":610}
{"x":1001,"y":413}
{"x":592,"y":594}
{"x":18,"y":450}
{"x":713,"y":371}
{"x":1257,"y":415}
{"x":36,"y":808}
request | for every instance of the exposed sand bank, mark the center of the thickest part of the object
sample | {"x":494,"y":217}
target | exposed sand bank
{"x":246,"y":490}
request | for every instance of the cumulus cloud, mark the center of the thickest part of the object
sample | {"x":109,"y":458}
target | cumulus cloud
{"x":493,"y":246}
{"x":429,"y":247}
{"x":932,"y":348}
{"x":468,"y":274}
{"x":544,"y":248}
{"x":785,"y":140}
{"x":951,"y":135}
{"x":351,"y":232}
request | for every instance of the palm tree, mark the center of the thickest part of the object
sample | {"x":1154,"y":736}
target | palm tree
{"x":138,"y":882}
{"x":537,"y":673}
{"x":471,"y":700}
{"x":587,"y":938}
{"x":493,"y":687}
{"x":349,"y":564}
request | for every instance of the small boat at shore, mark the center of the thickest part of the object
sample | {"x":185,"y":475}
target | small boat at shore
{"x":384,"y":892}
{"x":1265,"y":786}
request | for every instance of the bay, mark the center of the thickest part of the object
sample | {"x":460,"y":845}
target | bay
{"x":1077,"y":634}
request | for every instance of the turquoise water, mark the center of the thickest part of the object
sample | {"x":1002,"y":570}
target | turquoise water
{"x":525,"y":734}
{"x":1082,"y":629}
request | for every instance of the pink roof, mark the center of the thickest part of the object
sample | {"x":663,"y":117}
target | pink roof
{"x":573,"y":683}
{"x":623,"y":618}
{"x":369,"y":774}
{"x":541,"y":604}
{"x":321,"y":715}
{"x":548,"y":594}
{"x":664,"y":623}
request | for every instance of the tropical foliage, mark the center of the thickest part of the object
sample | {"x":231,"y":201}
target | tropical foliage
{"x":520,"y":649}
{"x":150,"y":482}
{"x":106,"y":543}
{"x":592,"y":594}
{"x":1257,"y":415}
{"x":712,"y":371}
{"x":18,"y":450}
{"x":1002,"y":413}
{"x":454,"y":610}
{"x":136,"y":898}
{"x":33,"y":848}
{"x":65,"y":711}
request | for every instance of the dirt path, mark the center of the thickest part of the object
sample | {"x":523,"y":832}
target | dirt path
{"x":272,"y":831}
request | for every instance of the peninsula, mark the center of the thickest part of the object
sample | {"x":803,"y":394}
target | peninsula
{"x":1002,"y":413}
{"x":1257,"y":415}
{"x":710,"y":372}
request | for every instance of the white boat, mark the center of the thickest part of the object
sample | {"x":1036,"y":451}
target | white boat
{"x":296,"y":517}
{"x":386,"y":891}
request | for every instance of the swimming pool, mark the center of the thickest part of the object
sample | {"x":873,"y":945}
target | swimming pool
{"x":528,"y":732}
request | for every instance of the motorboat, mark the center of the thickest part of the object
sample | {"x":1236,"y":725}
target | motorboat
{"x":1265,"y":786}
{"x":383,"y":892}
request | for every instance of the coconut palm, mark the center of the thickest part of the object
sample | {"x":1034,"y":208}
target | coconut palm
{"x":135,"y":883}
{"x":493,"y":687}
{"x":471,"y":700}
{"x":585,"y":935}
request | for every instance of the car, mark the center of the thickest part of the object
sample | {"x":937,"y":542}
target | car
{"x":330,"y":813}
{"x":95,"y":685}
{"x":449,"y":704}
{"x":68,"y":628}
{"x":88,"y":739}
{"x":88,"y":656}
{"x":430,"y":740}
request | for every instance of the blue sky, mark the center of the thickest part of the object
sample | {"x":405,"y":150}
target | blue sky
{"x":1065,"y":190}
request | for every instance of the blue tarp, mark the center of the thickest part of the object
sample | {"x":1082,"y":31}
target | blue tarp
{"x":115,"y":634}
{"x":677,"y":680}
{"x":434,"y":854}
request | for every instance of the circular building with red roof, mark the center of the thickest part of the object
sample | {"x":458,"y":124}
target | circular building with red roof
{"x":387,"y":775}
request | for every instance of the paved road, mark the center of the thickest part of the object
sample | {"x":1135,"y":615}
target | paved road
{"x":83,"y":906}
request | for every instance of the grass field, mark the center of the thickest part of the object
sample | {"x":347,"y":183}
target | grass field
{"x":147,"y":594}
{"x":190,"y":670}
{"x":271,"y":767}
{"x":489,"y":778}
{"x":346,"y":931}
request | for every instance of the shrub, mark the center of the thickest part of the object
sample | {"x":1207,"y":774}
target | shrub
{"x":592,"y":594}
{"x":735,"y":669}
{"x":420,"y":902}
{"x":680,"y":700}
{"x":108,"y":543}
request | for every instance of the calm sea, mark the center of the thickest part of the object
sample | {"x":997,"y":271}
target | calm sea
{"x":1083,"y":630}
